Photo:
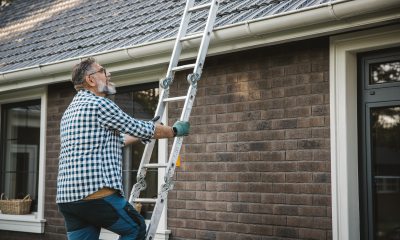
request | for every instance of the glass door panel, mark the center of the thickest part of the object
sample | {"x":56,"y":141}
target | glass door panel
{"x":379,"y":142}
{"x":385,"y":163}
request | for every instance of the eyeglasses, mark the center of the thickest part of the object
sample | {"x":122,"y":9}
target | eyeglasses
{"x":101,"y":70}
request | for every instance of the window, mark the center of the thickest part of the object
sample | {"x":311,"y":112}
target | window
{"x":20,"y":144}
{"x":22,"y":155}
{"x":139,"y":102}
{"x":385,"y":72}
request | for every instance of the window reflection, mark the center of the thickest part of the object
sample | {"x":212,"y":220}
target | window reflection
{"x":385,"y":72}
{"x":139,"y":102}
{"x":19,"y":148}
{"x":385,"y":130}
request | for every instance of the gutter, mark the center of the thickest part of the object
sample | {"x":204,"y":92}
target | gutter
{"x":158,"y":52}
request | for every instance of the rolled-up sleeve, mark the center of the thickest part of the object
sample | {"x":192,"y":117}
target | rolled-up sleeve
{"x":112,"y":117}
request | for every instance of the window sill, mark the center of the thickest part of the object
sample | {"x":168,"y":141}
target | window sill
{"x":22,"y":223}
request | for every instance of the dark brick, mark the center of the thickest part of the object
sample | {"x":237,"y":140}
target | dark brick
{"x":227,"y":217}
{"x":286,"y":232}
{"x":312,"y":234}
{"x":284,"y":124}
{"x":250,"y":218}
{"x":286,"y":210}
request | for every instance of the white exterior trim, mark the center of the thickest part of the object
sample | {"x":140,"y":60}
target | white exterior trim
{"x":35,"y":221}
{"x":343,"y":117}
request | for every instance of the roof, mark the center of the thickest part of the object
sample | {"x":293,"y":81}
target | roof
{"x":45,"y":31}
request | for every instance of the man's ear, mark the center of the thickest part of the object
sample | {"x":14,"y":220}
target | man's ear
{"x":90,"y":81}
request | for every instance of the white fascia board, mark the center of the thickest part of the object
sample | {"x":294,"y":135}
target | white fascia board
{"x":326,"y":19}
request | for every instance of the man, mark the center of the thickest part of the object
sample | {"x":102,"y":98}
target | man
{"x":93,"y":131}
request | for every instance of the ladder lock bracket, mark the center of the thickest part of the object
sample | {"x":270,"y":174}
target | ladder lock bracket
{"x":193,"y":78}
{"x":164,"y":83}
{"x":141,"y":184}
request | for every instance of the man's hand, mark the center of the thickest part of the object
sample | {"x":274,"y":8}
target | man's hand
{"x":181,"y":128}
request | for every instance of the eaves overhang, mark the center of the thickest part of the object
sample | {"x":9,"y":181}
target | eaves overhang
{"x":322,"y":20}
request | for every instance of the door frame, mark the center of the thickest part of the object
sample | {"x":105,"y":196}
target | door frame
{"x":343,"y":118}
{"x":371,"y":96}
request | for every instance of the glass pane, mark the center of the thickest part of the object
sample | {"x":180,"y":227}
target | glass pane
{"x":20,"y":143}
{"x":385,"y":72}
{"x":385,"y":131}
{"x":141,"y":104}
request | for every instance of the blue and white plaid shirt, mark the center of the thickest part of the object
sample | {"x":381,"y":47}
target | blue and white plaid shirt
{"x":92,"y":137}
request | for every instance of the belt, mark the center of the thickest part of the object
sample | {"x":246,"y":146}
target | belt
{"x":103,"y":192}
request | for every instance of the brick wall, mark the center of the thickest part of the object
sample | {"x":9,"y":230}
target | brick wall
{"x":257,"y":164}
{"x":59,"y":97}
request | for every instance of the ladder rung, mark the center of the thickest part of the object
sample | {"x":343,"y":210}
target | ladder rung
{"x":200,"y":7}
{"x":184,"y":67}
{"x":155,"y":165}
{"x":145,"y":200}
{"x":192,"y":36}
{"x":174,"y":99}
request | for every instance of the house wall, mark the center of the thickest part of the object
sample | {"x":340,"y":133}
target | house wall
{"x":257,"y":162}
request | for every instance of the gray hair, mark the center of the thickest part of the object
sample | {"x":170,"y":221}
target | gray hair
{"x":80,"y":69}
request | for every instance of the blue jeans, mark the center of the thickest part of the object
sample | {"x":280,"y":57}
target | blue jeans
{"x":84,"y":219}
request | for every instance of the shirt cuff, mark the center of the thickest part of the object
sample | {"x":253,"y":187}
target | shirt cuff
{"x":122,"y":139}
{"x":153,"y":130}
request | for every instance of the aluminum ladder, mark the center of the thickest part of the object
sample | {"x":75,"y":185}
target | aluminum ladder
{"x":192,"y":78}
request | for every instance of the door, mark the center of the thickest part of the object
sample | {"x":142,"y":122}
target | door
{"x":379,"y":118}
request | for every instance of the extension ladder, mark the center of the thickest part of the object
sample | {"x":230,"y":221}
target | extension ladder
{"x":192,"y":78}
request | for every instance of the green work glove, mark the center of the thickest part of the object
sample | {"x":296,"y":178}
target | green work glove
{"x":181,"y":128}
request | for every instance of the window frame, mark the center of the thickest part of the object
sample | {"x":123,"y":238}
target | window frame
{"x":343,"y":119}
{"x":35,"y":221}
{"x":371,"y":96}
{"x":163,"y":155}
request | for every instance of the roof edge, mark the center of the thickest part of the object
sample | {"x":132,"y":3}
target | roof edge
{"x":272,"y":30}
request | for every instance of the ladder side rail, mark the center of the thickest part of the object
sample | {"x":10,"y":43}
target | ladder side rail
{"x":178,"y":44}
{"x":187,"y":108}
{"x":140,"y":183}
{"x":169,"y":174}
{"x":205,"y":41}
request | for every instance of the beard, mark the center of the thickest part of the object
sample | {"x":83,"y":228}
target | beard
{"x":108,"y":89}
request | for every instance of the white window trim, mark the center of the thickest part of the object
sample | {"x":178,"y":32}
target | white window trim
{"x":162,"y":232}
{"x":35,"y":221}
{"x":343,"y":117}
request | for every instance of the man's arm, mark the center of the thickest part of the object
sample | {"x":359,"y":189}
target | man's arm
{"x":128,"y":139}
{"x":162,"y":131}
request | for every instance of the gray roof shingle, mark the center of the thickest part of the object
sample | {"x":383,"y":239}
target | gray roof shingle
{"x":44,"y":31}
